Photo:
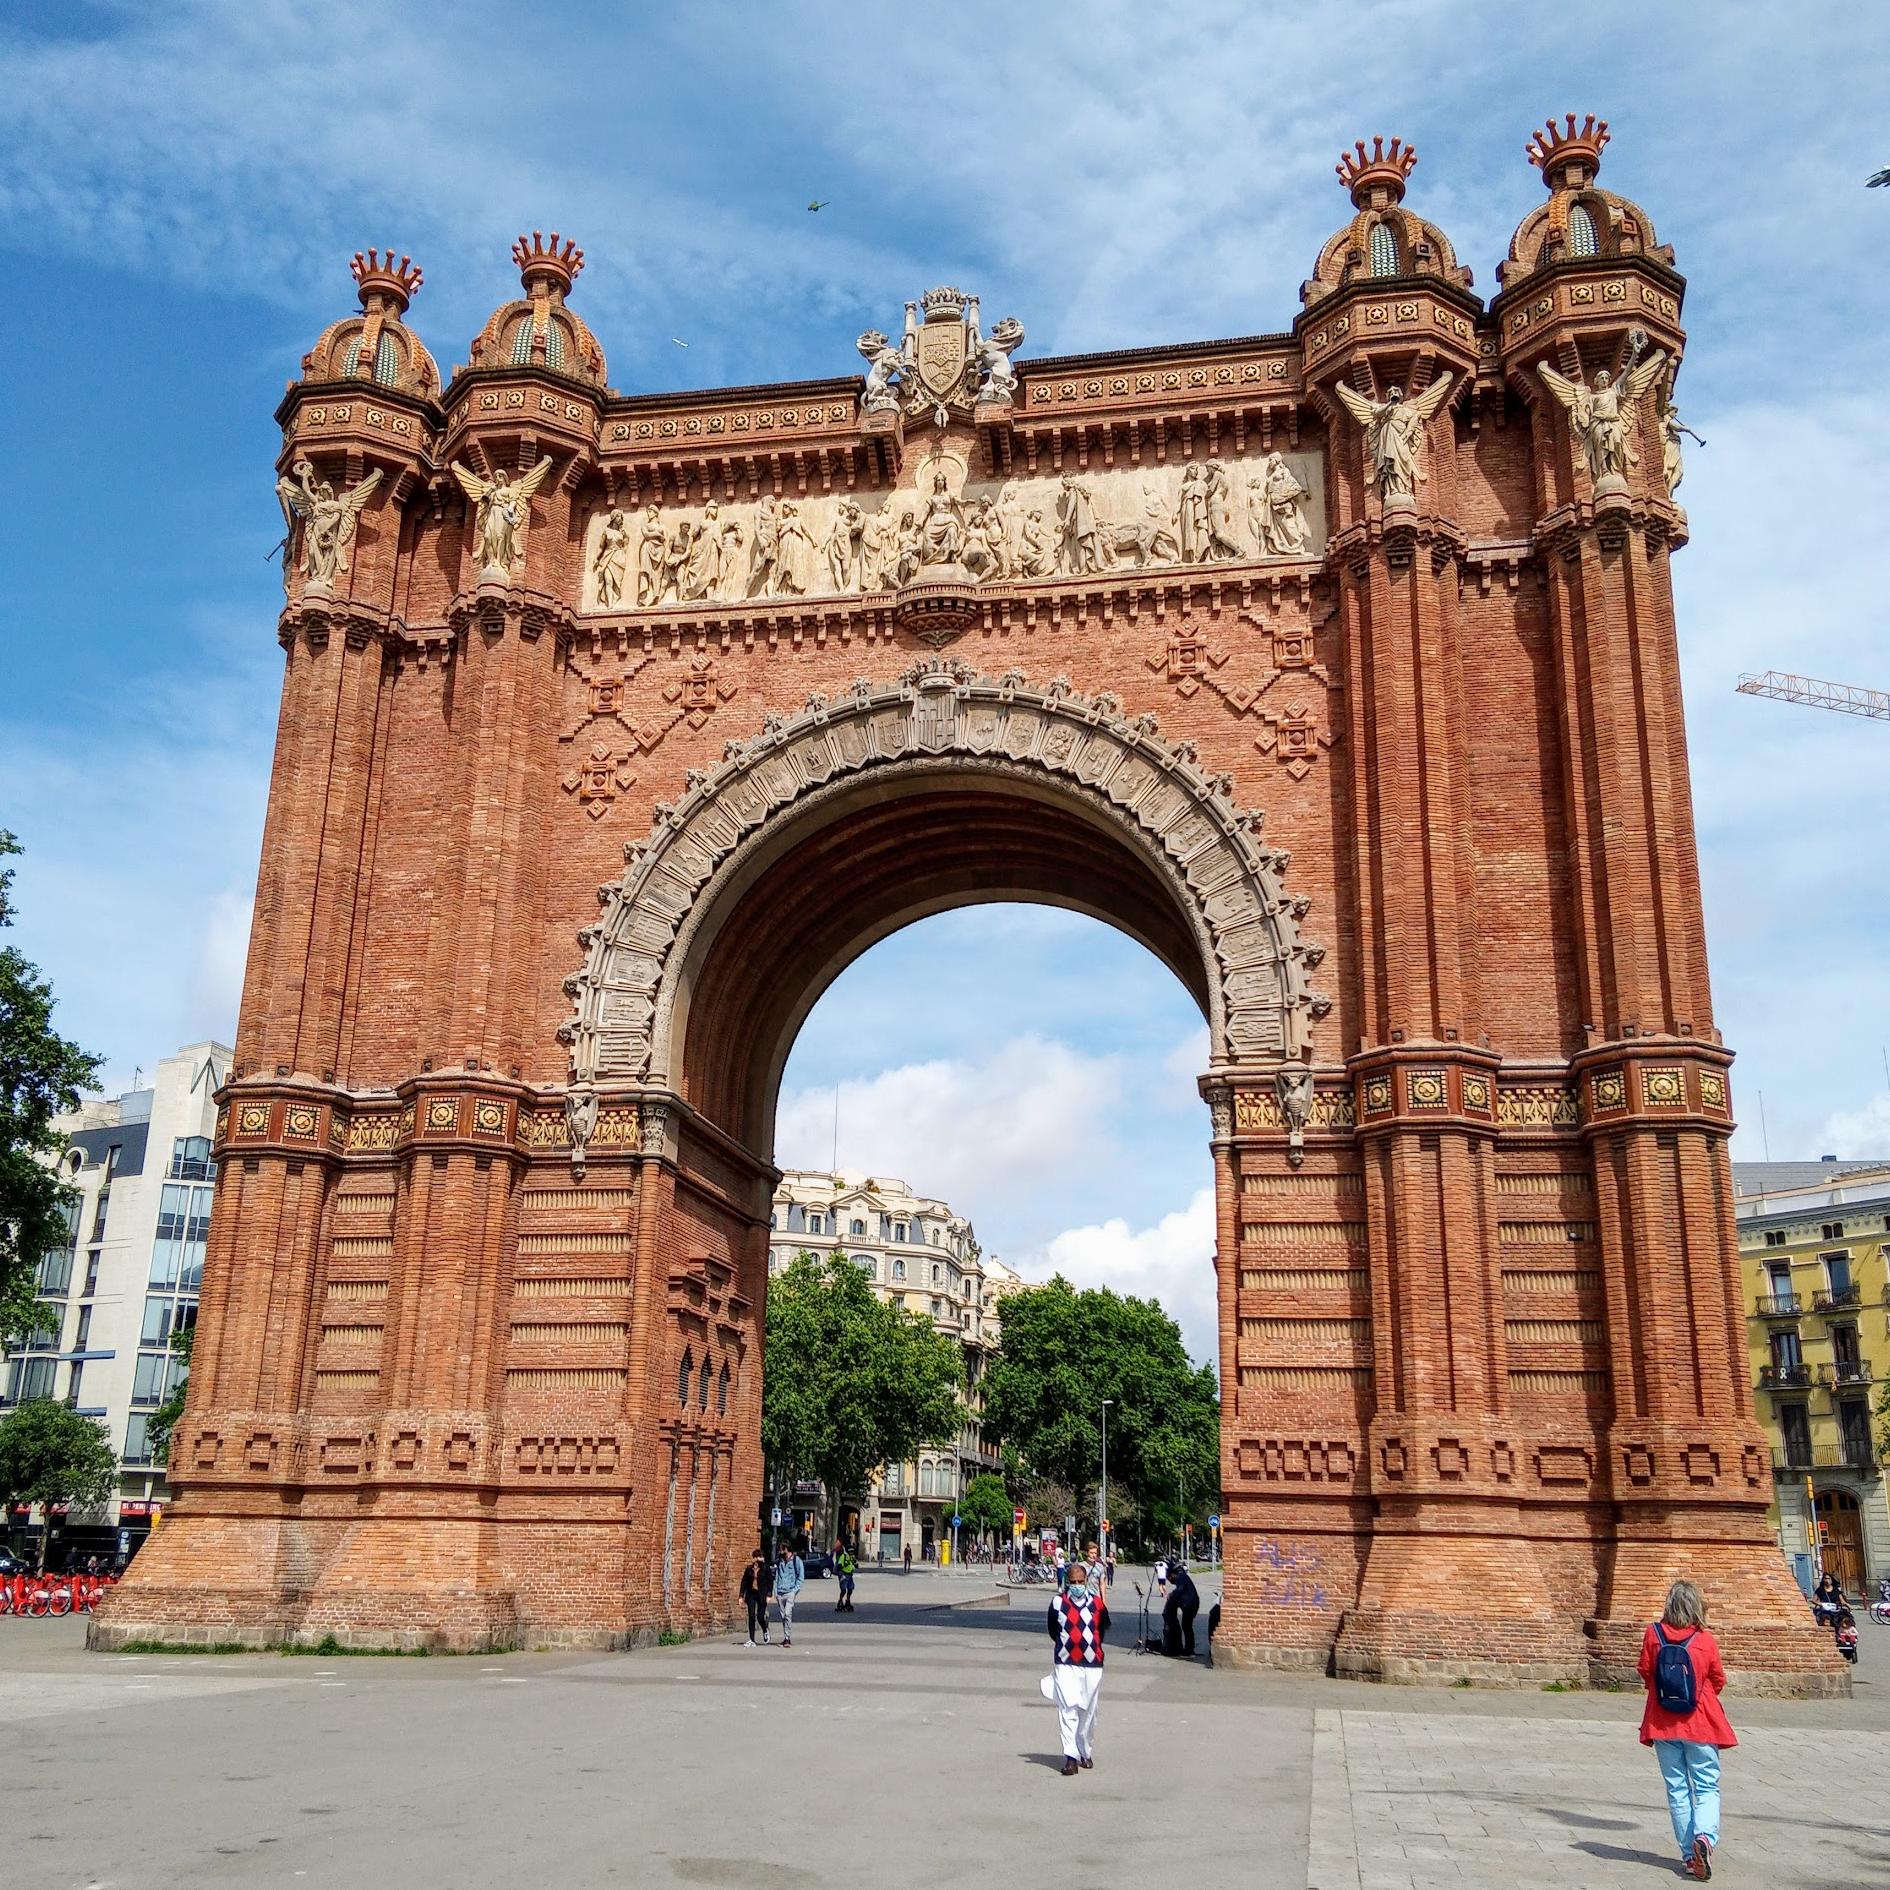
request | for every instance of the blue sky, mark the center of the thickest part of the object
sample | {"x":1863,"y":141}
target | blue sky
{"x":182,"y":187}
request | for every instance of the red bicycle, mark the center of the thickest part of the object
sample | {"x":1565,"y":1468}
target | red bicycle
{"x":36,"y":1595}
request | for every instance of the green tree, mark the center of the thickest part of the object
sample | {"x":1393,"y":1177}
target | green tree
{"x":851,"y":1382}
{"x":1061,"y":1353}
{"x":986,"y":1506}
{"x":163,"y":1422}
{"x":40,"y":1074}
{"x":50,"y":1454}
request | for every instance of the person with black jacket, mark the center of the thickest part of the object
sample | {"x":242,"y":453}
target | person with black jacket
{"x":757,"y":1585}
{"x":1827,"y":1599}
{"x":1179,"y":1610}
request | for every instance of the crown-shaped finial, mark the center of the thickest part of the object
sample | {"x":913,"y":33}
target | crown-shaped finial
{"x":1383,"y":167}
{"x":1569,"y":156}
{"x":541,"y":261}
{"x":382,"y":276}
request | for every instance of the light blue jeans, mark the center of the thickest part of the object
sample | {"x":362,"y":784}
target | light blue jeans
{"x":1691,"y":1771}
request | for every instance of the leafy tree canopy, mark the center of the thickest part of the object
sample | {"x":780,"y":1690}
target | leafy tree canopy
{"x":40,"y":1075}
{"x":50,"y":1454}
{"x":986,"y":1505}
{"x":852,"y":1381}
{"x":164,"y":1419}
{"x":1062,"y":1353}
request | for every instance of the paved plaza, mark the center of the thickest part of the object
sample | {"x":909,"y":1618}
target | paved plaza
{"x":906,"y":1744}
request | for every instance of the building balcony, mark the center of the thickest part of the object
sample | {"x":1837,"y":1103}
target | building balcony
{"x":1800,"y":1460}
{"x":1847,"y":1301}
{"x":1779,"y":1306}
{"x":1849,"y":1372}
{"x":1785,"y":1378}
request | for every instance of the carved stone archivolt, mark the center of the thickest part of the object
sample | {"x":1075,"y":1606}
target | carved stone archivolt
{"x":1226,"y":882}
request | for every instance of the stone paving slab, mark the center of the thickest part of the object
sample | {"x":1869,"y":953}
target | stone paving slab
{"x":905,"y":1745}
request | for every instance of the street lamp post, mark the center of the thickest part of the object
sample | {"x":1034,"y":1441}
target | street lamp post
{"x":1102,"y":1497}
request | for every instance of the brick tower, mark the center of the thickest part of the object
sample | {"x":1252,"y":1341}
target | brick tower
{"x":1336,"y":666}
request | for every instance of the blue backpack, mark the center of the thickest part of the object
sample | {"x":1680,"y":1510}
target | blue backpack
{"x":1674,"y":1684}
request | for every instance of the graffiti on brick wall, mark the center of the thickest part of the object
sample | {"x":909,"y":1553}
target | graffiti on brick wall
{"x":1288,"y":1575}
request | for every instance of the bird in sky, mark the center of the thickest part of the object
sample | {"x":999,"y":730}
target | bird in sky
{"x":820,"y":203}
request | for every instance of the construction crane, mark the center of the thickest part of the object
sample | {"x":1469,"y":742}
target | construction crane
{"x":1846,"y":698}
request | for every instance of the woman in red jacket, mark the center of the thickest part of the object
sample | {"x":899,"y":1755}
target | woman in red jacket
{"x":1684,"y":1722}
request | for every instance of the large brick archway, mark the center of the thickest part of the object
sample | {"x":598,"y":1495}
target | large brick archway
{"x":613,"y":727}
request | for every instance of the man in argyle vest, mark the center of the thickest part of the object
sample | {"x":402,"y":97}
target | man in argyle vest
{"x":1079,"y":1622}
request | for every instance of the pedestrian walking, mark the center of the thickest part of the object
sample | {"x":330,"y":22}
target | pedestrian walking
{"x":908,"y":1558}
{"x":756,"y":1582}
{"x":844,"y":1566}
{"x":1684,"y":1722}
{"x":1079,"y":1622}
{"x":790,"y":1576}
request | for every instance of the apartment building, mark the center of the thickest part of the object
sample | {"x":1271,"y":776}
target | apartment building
{"x":1814,"y":1244}
{"x":920,"y":1254}
{"x":127,"y":1276}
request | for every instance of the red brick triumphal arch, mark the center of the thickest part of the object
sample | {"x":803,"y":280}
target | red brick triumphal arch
{"x":614,"y":726}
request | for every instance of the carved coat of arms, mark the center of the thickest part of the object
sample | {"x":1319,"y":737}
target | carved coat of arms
{"x":944,"y":364}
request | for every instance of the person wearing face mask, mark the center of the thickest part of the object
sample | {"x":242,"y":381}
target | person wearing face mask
{"x":1079,"y":1623}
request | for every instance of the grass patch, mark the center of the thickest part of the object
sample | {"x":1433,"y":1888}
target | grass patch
{"x":673,"y":1637}
{"x":186,"y":1647}
{"x":1560,"y":1686}
{"x":328,"y":1648}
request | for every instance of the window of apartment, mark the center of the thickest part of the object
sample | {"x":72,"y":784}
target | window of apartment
{"x":98,"y":1212}
{"x":91,"y":1274}
{"x":902,"y":1231}
{"x":938,"y":1309}
{"x":29,"y":1378}
{"x":898,"y":1270}
{"x":935,"y":1237}
{"x":1844,"y":1348}
{"x":158,"y":1317}
{"x":112,"y":1152}
{"x":1781,"y":1278}
{"x":774,"y":1221}
{"x":857,"y":1229}
{"x":1837,"y":1267}
{"x":816,"y":1224}
{"x":1775,"y":1237}
{"x":938,"y":1274}
{"x":1854,"y":1433}
{"x":869,"y":1266}
{"x":82,"y":1332}
{"x":137,"y":1437}
{"x":72,"y":1381}
{"x":190,"y":1159}
{"x":55,"y":1271}
{"x":1832,"y":1230}
{"x":1795,"y":1422}
{"x":151,"y":1377}
{"x":1786,"y":1355}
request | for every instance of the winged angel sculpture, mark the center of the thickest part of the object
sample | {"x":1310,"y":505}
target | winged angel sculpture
{"x":504,"y":511}
{"x":1600,"y":414}
{"x":1394,"y":435}
{"x":328,"y":520}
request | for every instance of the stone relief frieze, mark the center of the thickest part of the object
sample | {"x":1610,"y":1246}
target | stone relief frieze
{"x":1247,"y":508}
{"x":1262,"y":1006}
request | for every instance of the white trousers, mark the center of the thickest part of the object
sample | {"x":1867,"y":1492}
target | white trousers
{"x":1077,"y":1690}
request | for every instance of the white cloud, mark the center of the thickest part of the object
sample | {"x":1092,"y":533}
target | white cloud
{"x":988,"y":1133}
{"x":1172,"y":1262}
{"x":1857,"y":1134}
{"x":222,"y":951}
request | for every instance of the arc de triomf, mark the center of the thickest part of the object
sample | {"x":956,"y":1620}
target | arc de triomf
{"x":1337,"y":666}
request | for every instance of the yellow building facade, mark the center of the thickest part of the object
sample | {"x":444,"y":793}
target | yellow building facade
{"x":1814,"y":1247}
